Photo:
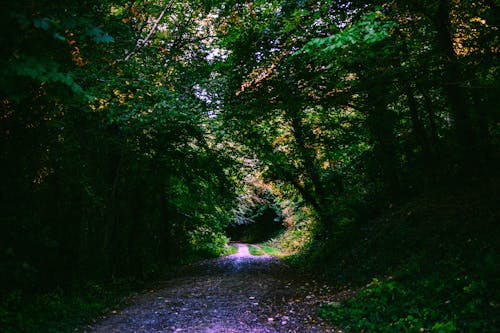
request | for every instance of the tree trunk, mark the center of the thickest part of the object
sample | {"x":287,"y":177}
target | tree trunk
{"x":453,"y":87}
{"x":431,"y":116}
{"x":317,"y":195}
{"x":418,"y":127}
{"x":380,"y":121}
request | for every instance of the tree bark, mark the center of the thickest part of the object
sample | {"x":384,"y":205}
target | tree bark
{"x":380,"y":122}
{"x":317,"y":194}
{"x":454,"y":86}
{"x":418,"y":127}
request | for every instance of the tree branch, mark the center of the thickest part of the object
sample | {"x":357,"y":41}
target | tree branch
{"x":142,"y":42}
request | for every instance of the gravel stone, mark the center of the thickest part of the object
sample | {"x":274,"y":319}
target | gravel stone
{"x":239,"y":293}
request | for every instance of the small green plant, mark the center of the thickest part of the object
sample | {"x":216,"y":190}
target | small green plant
{"x":444,"y":327}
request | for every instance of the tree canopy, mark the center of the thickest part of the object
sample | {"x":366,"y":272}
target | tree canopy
{"x":135,"y":133}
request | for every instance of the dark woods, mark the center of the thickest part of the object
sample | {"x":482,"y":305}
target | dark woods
{"x":107,"y":169}
{"x":130,"y":131}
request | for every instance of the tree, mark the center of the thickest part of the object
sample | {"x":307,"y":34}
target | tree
{"x":296,"y":69}
{"x":107,"y":154}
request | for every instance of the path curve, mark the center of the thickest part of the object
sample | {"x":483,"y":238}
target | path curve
{"x":239,"y":293}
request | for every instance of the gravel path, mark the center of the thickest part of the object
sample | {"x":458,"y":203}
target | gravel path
{"x":237,"y":293}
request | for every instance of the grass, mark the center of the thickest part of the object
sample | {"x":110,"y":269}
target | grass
{"x":260,"y":250}
{"x":230,"y":249}
{"x":255,"y":250}
{"x":272,"y":251}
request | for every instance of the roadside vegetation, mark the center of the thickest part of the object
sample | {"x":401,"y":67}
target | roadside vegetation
{"x":63,"y":310}
{"x":427,"y":265}
{"x":255,"y":250}
{"x":230,"y":249}
{"x":358,"y":139}
{"x":260,"y":250}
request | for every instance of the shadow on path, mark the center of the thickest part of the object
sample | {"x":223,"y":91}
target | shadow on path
{"x":236,"y":293}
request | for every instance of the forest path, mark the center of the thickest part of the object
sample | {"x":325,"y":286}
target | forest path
{"x":236,"y":293}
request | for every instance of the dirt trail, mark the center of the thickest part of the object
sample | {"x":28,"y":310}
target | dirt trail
{"x":237,"y":293}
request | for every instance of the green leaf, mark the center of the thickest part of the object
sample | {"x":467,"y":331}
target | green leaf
{"x":42,"y":23}
{"x":58,"y":36}
{"x":99,"y":36}
{"x":106,"y":39}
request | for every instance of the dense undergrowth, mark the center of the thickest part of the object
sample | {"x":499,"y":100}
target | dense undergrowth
{"x":429,"y":265}
{"x":62,"y":310}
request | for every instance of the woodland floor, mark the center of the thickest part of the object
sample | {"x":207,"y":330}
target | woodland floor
{"x":236,"y":293}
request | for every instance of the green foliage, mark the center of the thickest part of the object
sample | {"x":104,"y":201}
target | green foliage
{"x":433,"y":260}
{"x":260,"y":250}
{"x":371,"y":28}
{"x":45,"y":71}
{"x":256,"y":250}
{"x":438,"y":302}
{"x":272,"y":251}
{"x":108,"y":156}
{"x":123,"y":140}
{"x":206,"y":243}
{"x":60,"y":311}
{"x":230,"y":249}
{"x":42,"y":23}
{"x":99,"y":36}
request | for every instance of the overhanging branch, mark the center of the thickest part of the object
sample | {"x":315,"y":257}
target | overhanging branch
{"x":142,"y":42}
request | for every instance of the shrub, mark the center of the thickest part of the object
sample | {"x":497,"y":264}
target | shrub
{"x":208,"y":243}
{"x":441,"y":302}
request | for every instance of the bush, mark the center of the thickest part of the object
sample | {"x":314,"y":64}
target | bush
{"x":207,"y":243}
{"x":60,"y":311}
{"x":442,"y":301}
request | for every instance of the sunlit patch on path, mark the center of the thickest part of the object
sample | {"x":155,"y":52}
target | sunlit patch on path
{"x":237,"y":293}
{"x":242,"y":251}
